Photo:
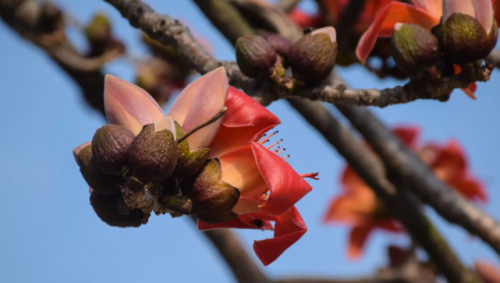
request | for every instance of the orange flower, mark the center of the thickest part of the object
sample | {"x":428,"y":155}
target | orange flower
{"x":359,"y":207}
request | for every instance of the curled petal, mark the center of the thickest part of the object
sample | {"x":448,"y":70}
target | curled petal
{"x":245,"y":121}
{"x":408,"y":135}
{"x":248,"y":221}
{"x":198,"y":103}
{"x":286,"y":187}
{"x":488,"y":272}
{"x":289,"y":229}
{"x":357,"y":240}
{"x":129,"y":105}
{"x":76,"y":151}
{"x":387,"y":18}
{"x":470,"y":90}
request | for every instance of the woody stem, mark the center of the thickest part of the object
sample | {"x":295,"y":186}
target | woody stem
{"x":210,"y":121}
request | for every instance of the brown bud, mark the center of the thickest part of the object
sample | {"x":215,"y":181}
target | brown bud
{"x":153,"y":155}
{"x":464,"y":40}
{"x":109,"y":148}
{"x":108,"y":208}
{"x":279,"y":43}
{"x":312,"y":57}
{"x":212,"y":199}
{"x":255,"y":56}
{"x":414,"y":48}
{"x":96,"y":179}
{"x":189,"y":162}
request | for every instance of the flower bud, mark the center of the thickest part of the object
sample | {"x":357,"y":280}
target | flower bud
{"x":212,"y":199}
{"x":312,"y":57}
{"x":414,"y":48}
{"x":280,"y":44}
{"x":189,"y":162}
{"x":153,"y":155}
{"x":464,"y":40}
{"x":108,"y":208}
{"x":255,"y":56}
{"x":99,"y":29}
{"x":109,"y":148}
{"x":96,"y":179}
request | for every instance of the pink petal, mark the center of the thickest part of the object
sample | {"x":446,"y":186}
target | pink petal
{"x":129,"y":105}
{"x":198,"y":102}
{"x":245,"y":121}
{"x":387,"y":18}
{"x":286,"y":187}
{"x":167,"y":123}
{"x":458,"y":6}
{"x":289,"y":228}
{"x":330,"y":31}
{"x":77,"y":150}
{"x":484,"y":13}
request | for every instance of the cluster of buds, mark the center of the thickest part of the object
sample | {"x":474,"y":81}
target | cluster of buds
{"x":465,"y":34}
{"x":311,"y":58}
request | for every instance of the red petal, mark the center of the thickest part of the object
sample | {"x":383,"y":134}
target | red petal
{"x":471,"y":188}
{"x":407,"y":134}
{"x":289,"y":229}
{"x":450,"y":162}
{"x":357,"y":241}
{"x":383,"y":26}
{"x":245,"y":121}
{"x":470,"y":90}
{"x":286,"y":187}
{"x":488,"y":272}
{"x":351,"y":180}
{"x":304,"y":20}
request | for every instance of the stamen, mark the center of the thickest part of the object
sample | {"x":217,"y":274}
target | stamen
{"x":274,"y":143}
{"x":310,"y":175}
{"x":288,"y":156}
{"x":263,"y":141}
{"x":281,"y":151}
{"x":276,"y":150}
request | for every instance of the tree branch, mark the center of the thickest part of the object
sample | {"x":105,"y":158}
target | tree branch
{"x":494,"y":58}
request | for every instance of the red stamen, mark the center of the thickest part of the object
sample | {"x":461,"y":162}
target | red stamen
{"x":274,"y":144}
{"x":310,"y":175}
{"x":288,"y":156}
{"x":281,"y":151}
{"x":276,"y":150}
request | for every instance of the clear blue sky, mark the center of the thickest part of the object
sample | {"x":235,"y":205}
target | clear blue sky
{"x":49,"y":232}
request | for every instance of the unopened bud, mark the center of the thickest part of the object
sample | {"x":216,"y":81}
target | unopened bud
{"x":99,"y":29}
{"x":464,"y":40}
{"x":110,"y":209}
{"x":189,"y":162}
{"x":312,"y":57}
{"x":255,"y":56}
{"x":414,"y":48}
{"x":96,"y":179}
{"x":153,"y":155}
{"x":280,"y":44}
{"x":109,"y":148}
{"x":212,"y":199}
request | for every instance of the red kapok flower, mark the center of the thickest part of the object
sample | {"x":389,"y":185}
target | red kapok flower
{"x":359,"y":207}
{"x":268,"y":186}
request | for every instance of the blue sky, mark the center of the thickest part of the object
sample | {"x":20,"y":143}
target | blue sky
{"x":49,"y":232}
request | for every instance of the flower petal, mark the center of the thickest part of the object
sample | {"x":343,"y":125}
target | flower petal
{"x":330,"y":31}
{"x":239,"y":169}
{"x":450,"y":162}
{"x":488,"y":272}
{"x":77,"y":150}
{"x":199,"y":102}
{"x":471,"y":189}
{"x":484,"y":13}
{"x":247,"y":205}
{"x":129,"y":105}
{"x":167,"y":123}
{"x":289,"y":229}
{"x":470,"y":90}
{"x":408,"y":135}
{"x":458,"y":6}
{"x":383,"y":26}
{"x":357,"y":241}
{"x":245,"y":121}
{"x":286,"y":187}
{"x":304,"y":20}
{"x":349,"y":208}
{"x":435,"y":7}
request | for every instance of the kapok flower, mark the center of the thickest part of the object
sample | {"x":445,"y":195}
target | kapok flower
{"x":426,"y":13}
{"x":266,"y":185}
{"x":359,"y":207}
{"x":488,"y":272}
